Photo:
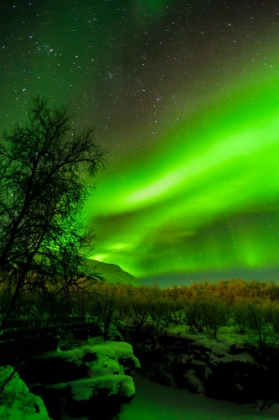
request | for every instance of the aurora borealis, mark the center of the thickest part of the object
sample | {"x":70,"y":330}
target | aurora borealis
{"x":186,"y":97}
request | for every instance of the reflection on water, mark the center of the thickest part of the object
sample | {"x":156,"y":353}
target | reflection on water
{"x":155,"y":401}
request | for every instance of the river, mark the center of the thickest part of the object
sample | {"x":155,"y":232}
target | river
{"x":155,"y":401}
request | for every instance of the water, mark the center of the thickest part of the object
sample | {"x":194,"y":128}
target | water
{"x":154,"y":401}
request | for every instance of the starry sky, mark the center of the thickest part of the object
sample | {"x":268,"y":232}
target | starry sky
{"x":185,"y":95}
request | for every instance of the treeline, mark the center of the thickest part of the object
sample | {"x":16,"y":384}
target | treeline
{"x":248,"y":306}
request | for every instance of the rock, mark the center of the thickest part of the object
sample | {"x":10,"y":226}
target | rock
{"x":88,"y":381}
{"x":237,"y":381}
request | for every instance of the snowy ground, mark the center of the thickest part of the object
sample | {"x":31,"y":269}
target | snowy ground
{"x":155,"y":401}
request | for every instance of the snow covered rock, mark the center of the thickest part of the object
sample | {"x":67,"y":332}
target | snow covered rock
{"x":223,"y":368}
{"x":83,"y":381}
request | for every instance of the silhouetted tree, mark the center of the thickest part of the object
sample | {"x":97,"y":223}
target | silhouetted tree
{"x":104,"y":307}
{"x":216,"y":313}
{"x":46,"y":172}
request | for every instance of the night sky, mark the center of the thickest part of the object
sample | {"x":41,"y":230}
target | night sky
{"x":185,"y":95}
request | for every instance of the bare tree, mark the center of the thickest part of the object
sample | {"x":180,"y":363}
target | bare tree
{"x":46,"y":172}
{"x":104,"y":307}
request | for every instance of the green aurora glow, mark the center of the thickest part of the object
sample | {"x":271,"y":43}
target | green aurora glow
{"x":206,"y":198}
{"x":185,"y":96}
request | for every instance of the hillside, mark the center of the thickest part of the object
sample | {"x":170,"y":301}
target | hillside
{"x":112,"y":273}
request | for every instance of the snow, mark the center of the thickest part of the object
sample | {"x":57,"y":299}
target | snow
{"x":103,"y":365}
{"x":218,"y":349}
{"x":191,"y":376}
{"x":17,"y":402}
{"x":107,"y":354}
{"x":111,"y":349}
{"x":123,"y":349}
{"x":83,"y":389}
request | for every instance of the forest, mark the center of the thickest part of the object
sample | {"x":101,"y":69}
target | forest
{"x":250,"y":307}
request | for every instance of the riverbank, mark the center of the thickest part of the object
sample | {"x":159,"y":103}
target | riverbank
{"x":233,"y":367}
